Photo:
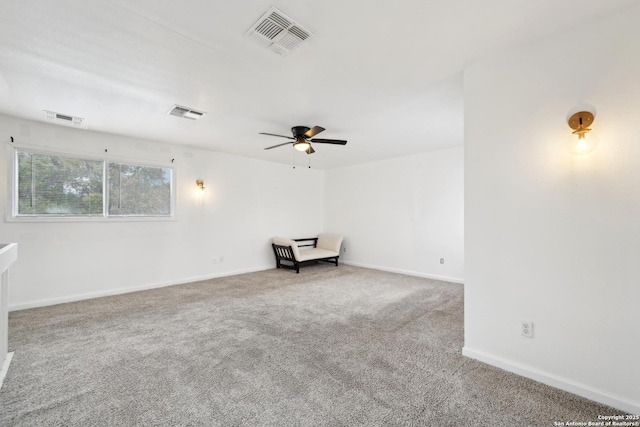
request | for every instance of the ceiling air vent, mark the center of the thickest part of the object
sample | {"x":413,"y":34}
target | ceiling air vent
{"x":185,"y":112}
{"x":63,"y":119}
{"x":277,"y":32}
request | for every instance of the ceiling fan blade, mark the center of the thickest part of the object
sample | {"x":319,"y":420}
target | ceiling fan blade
{"x":310,"y":150}
{"x":273,"y":134}
{"x":313,"y":131}
{"x":279,"y":145}
{"x":329,"y":141}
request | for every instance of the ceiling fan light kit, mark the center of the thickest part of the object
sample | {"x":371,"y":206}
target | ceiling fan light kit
{"x":301,"y":145}
{"x":301,"y":138}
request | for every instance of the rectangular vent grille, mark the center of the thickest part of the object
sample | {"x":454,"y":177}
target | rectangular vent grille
{"x":64,"y":119}
{"x":277,"y":32}
{"x":186,"y":113}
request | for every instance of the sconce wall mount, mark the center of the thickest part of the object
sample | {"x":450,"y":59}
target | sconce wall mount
{"x":200,"y":184}
{"x":580,"y":123}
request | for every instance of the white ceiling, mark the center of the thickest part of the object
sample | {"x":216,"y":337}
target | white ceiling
{"x":385,"y":75}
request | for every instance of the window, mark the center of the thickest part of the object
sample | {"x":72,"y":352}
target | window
{"x":139,"y":190}
{"x":56,"y":185}
{"x":51,"y":185}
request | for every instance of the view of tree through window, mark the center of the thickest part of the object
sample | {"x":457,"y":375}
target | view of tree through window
{"x":53,"y":185}
{"x":139,"y":190}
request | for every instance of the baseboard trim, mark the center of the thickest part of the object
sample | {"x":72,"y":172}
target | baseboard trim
{"x":5,"y":367}
{"x":407,"y":272}
{"x":119,"y":291}
{"x":556,"y":381}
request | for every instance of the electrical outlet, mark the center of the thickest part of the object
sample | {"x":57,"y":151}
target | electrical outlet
{"x":344,"y":249}
{"x":441,"y":260}
{"x":526,"y":328}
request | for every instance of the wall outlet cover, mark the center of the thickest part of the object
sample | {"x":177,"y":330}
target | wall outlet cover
{"x":526,"y":328}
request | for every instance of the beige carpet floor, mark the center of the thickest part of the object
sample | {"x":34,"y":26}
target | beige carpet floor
{"x":331,"y":346}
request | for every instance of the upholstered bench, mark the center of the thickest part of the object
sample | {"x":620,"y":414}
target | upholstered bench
{"x":295,"y":252}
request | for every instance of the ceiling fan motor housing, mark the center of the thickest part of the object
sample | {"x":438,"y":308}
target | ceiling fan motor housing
{"x":299,"y":131}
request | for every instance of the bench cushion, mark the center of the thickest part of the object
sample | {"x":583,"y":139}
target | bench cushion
{"x":315,"y":253}
{"x":330,"y":242}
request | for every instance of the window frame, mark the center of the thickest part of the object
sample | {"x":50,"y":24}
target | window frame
{"x":12,"y":193}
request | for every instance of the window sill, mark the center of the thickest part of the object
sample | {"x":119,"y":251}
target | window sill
{"x":113,"y":219}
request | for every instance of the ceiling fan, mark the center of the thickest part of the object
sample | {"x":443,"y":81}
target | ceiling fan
{"x":301,"y":138}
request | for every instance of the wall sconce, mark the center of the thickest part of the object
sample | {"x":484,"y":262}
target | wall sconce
{"x":200,"y":184}
{"x":580,"y":123}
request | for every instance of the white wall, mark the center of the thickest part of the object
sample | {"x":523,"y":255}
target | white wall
{"x":401,"y":214}
{"x":552,"y":237}
{"x":245,"y":203}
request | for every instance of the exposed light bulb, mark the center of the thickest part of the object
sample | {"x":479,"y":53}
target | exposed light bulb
{"x":584,"y":144}
{"x":581,"y":144}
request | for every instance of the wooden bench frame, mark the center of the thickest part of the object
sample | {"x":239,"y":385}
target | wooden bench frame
{"x":285,"y":253}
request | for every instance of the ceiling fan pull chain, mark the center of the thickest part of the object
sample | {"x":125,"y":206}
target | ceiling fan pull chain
{"x":309,"y":161}
{"x":294,"y":159}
